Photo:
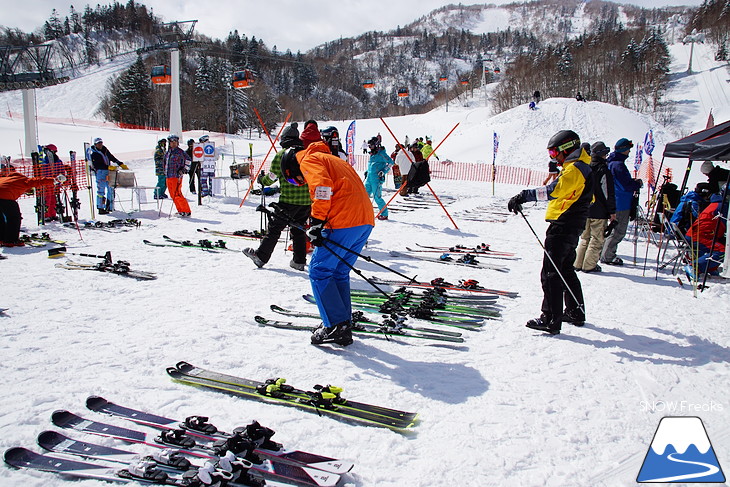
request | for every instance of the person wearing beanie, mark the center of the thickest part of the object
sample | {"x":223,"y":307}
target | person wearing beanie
{"x":159,"y":157}
{"x":294,"y":204}
{"x":624,"y":188}
{"x":310,"y":134}
{"x":600,"y":212}
{"x":716,"y":175}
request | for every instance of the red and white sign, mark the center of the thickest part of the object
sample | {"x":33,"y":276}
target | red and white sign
{"x":198,"y":152}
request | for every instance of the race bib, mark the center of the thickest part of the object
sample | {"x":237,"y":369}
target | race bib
{"x":323,"y":193}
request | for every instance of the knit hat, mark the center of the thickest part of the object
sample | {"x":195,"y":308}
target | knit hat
{"x":310,"y":133}
{"x":599,"y":149}
{"x":707,"y":167}
{"x":290,"y":136}
{"x":623,"y":144}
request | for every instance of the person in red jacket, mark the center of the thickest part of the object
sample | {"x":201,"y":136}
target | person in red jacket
{"x":12,"y":186}
{"x":341,"y":222}
{"x":706,"y":237}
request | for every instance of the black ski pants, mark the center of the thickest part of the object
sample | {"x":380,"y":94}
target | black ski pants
{"x":298,"y":214}
{"x":10,"y":218}
{"x":560,"y":244}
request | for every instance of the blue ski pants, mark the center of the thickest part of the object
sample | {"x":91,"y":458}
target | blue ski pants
{"x":329,"y":272}
{"x":104,"y":192}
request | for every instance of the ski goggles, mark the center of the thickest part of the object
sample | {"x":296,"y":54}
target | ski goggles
{"x":553,"y":152}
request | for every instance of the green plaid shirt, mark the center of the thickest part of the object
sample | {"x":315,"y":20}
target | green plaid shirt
{"x":294,"y":195}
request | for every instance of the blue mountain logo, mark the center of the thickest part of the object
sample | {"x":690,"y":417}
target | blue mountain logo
{"x":680,"y":452}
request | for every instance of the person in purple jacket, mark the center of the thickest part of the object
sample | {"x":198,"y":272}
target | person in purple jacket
{"x":624,"y":186}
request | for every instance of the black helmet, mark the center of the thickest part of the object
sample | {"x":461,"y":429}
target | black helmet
{"x":329,"y":133}
{"x":565,"y":142}
{"x":290,"y":167}
{"x":374,"y":145}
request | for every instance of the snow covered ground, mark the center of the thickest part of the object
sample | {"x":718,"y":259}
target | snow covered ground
{"x":508,"y":407}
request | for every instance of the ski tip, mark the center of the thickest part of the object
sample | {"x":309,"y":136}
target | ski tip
{"x":173,"y":372}
{"x":18,"y":456}
{"x":48,"y":439}
{"x":58,"y":252}
{"x":183,"y":366}
{"x":62,"y":418}
{"x":95,"y":403}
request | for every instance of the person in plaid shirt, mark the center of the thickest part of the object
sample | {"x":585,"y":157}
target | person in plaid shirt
{"x":294,"y":204}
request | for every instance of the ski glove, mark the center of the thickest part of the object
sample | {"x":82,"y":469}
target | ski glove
{"x":315,"y":232}
{"x":381,"y":176}
{"x":515,"y":203}
{"x":260,"y":178}
{"x":123,"y":166}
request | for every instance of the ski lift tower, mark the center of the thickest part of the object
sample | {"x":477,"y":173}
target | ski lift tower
{"x":172,"y":36}
{"x":26,"y":68}
{"x":692,"y":38}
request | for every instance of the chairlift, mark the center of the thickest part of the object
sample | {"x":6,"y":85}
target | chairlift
{"x":161,"y":75}
{"x":497,"y":70}
{"x":368,"y":83}
{"x":464,"y":81}
{"x":243,"y":79}
{"x":443,"y":78}
{"x":403,"y":92}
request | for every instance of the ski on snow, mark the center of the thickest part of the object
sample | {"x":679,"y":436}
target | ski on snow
{"x":469,"y":285}
{"x":268,"y":468}
{"x":467,"y":260}
{"x":120,"y":268}
{"x":359,"y":318}
{"x":324,"y":400}
{"x":203,"y":244}
{"x":477,"y":249}
{"x":381,"y":331}
{"x":198,"y":427}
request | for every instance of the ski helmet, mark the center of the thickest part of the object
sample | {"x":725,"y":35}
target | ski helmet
{"x":174,"y":137}
{"x":52,"y":147}
{"x":374,"y":145}
{"x":563,"y":142}
{"x":329,"y":133}
{"x":290,"y":167}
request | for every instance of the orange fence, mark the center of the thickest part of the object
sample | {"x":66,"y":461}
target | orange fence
{"x":75,"y":173}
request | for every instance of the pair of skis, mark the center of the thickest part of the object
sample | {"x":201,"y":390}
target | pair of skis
{"x":250,"y":448}
{"x":467,"y":260}
{"x":203,"y":244}
{"x":323,"y":400}
{"x":469,"y":285}
{"x":121,"y":268}
{"x":390,"y":327}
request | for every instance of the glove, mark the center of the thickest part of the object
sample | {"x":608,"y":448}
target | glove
{"x":260,"y":178}
{"x":515,"y":203}
{"x":365,"y":175}
{"x":112,"y":168}
{"x":381,"y":176}
{"x":610,"y":228}
{"x":123,"y":166}
{"x":315,"y":232}
{"x":641,"y":182}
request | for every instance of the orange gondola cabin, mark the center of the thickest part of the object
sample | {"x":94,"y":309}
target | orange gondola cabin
{"x":243,"y":79}
{"x":403,"y":92}
{"x":161,"y":75}
{"x":443,"y":78}
{"x":464,"y":81}
{"x":368,"y":83}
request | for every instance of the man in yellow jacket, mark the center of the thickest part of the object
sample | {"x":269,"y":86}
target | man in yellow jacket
{"x":341,"y":221}
{"x":569,"y":197}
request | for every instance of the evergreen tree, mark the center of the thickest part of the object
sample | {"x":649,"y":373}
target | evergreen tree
{"x":131,"y":98}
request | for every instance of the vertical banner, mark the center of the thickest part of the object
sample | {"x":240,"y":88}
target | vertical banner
{"x":350,"y":143}
{"x":494,"y":160}
{"x":649,"y":149}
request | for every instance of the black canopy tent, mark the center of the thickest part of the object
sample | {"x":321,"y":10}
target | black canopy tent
{"x":713,"y":149}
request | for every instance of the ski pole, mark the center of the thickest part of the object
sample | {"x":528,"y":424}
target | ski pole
{"x":579,"y":304}
{"x":61,"y":251}
{"x":283,"y":216}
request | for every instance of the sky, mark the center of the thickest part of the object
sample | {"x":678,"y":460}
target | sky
{"x":286,"y":24}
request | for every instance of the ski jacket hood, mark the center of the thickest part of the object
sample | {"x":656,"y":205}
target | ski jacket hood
{"x":338,"y":195}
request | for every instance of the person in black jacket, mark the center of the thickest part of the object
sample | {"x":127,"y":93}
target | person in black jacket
{"x":601,"y":211}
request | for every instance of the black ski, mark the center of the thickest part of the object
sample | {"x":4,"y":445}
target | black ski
{"x":120,"y":268}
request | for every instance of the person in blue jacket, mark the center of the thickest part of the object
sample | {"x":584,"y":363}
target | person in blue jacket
{"x":690,"y":205}
{"x":378,"y":166}
{"x":624,"y":186}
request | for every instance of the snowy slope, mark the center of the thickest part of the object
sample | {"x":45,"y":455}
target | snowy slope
{"x":509,"y":407}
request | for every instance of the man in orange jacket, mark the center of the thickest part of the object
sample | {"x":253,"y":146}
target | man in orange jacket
{"x":12,"y":186}
{"x":341,"y":222}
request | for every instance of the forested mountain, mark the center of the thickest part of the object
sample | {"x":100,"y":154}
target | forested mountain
{"x":610,"y":52}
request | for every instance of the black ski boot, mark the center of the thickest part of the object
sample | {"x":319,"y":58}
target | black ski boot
{"x":261,"y":435}
{"x":340,"y":334}
{"x":543,"y":324}
{"x":574,"y":316}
